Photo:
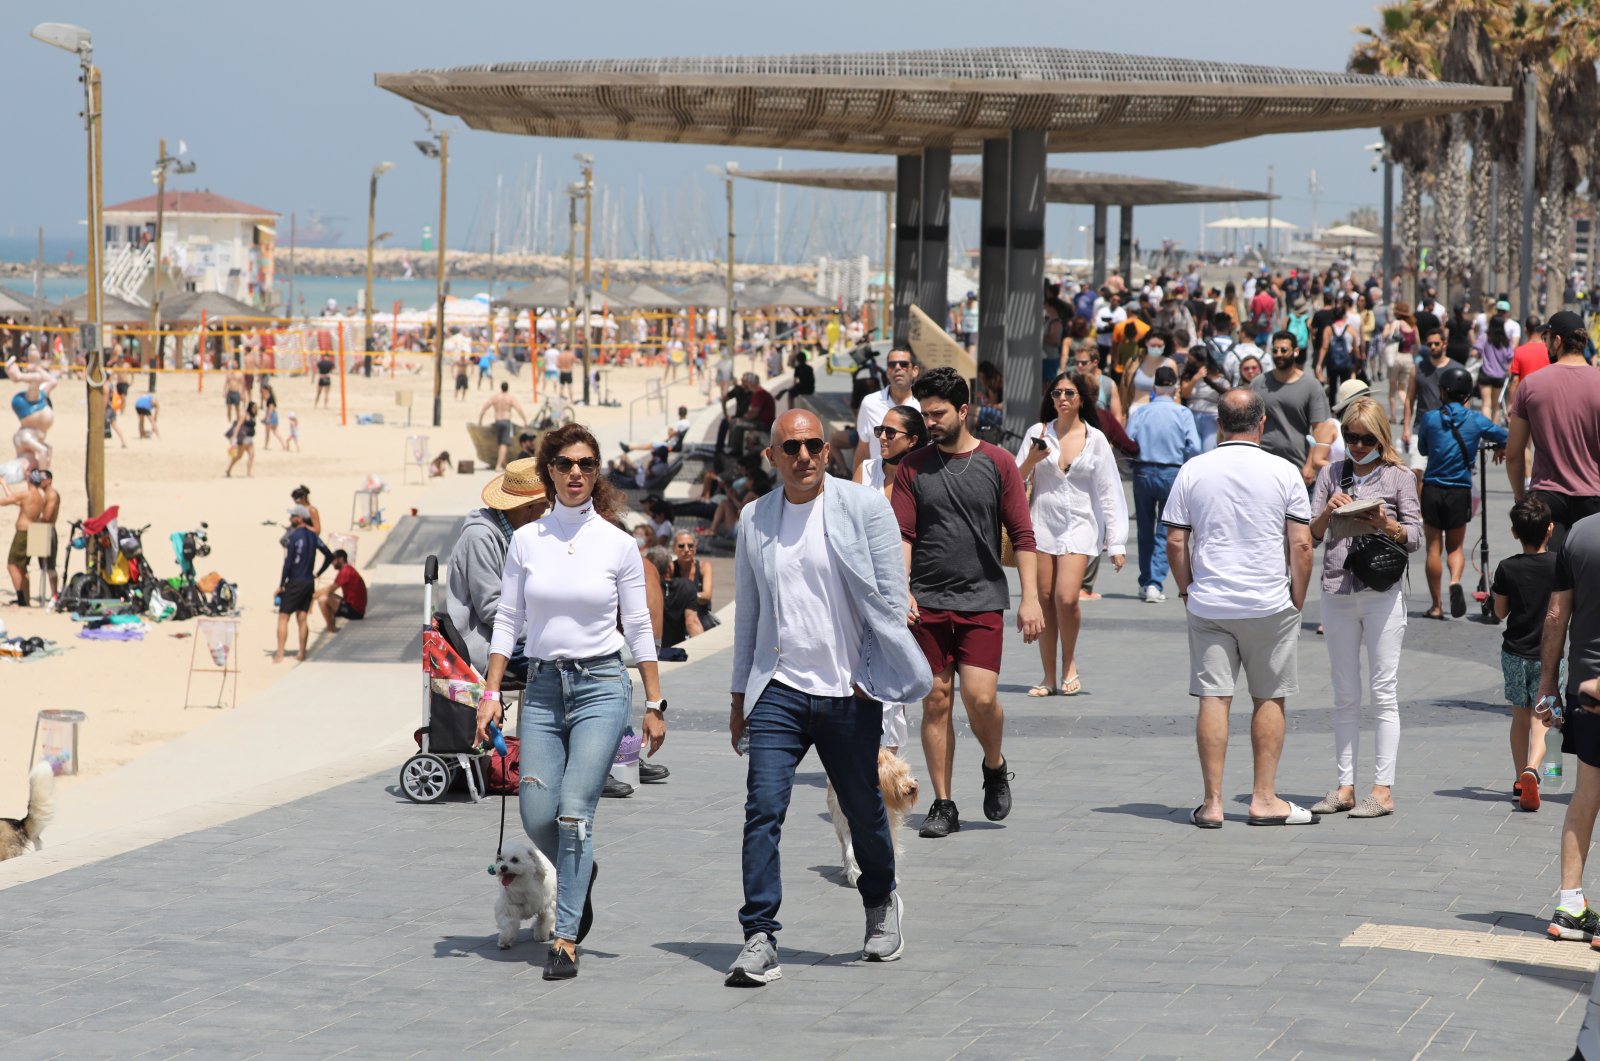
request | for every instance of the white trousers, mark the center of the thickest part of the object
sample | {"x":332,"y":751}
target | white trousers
{"x":1378,"y":621}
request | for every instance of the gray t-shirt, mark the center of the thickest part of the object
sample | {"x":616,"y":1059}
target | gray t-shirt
{"x":1292,"y":410}
{"x":1578,"y":570}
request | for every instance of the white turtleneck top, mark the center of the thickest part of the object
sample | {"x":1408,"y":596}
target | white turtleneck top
{"x":568,"y":577}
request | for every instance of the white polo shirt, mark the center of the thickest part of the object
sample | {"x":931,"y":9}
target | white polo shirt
{"x":1233,"y":502}
{"x":874,"y":407}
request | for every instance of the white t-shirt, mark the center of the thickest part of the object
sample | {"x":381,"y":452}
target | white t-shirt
{"x":819,"y":632}
{"x":552,"y":360}
{"x":1233,"y":502}
{"x":874,"y":407}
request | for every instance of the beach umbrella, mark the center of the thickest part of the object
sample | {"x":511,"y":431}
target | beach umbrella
{"x":796,"y":297}
{"x":1228,"y":222}
{"x":706,"y":295}
{"x":645,"y":296}
{"x":1274,"y":223}
{"x":1348,"y":232}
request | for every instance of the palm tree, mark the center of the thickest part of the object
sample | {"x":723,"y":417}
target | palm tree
{"x":1405,"y":45}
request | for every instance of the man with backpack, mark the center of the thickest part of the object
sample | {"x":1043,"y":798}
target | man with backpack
{"x":1337,"y":355}
{"x":1263,"y":307}
{"x":1448,"y":436}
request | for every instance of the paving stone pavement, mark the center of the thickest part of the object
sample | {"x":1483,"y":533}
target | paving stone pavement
{"x":1094,"y":922}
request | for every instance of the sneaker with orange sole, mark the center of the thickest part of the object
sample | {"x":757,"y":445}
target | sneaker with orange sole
{"x":1528,"y":790}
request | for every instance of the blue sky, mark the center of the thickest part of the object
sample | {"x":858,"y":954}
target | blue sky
{"x":278,"y":107}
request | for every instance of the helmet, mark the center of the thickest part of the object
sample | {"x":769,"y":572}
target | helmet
{"x":1455,"y":383}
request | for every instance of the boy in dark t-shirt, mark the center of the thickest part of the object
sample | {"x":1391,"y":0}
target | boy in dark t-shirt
{"x":1522,"y":586}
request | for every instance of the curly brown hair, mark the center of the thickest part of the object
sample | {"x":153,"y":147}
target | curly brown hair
{"x":605,"y":497}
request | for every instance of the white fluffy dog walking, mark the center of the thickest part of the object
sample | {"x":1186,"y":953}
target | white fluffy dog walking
{"x":527,"y":892}
{"x":899,"y":790}
{"x":19,"y":836}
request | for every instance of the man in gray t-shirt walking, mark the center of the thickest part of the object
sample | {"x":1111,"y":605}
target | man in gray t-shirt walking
{"x":1296,"y":407}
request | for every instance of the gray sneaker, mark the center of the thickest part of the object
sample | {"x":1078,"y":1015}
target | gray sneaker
{"x":757,"y":964}
{"x":884,"y":942}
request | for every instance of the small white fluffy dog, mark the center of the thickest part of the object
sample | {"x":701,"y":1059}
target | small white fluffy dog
{"x":527,"y":891}
{"x":20,"y":836}
{"x":899,"y":790}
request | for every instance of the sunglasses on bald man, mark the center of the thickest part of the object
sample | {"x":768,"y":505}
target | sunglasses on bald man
{"x":813,"y":446}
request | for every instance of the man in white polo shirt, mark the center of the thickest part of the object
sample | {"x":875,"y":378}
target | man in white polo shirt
{"x":902,"y":369}
{"x":1232,"y":512}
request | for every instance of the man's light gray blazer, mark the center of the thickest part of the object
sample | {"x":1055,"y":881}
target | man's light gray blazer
{"x":864,"y":540}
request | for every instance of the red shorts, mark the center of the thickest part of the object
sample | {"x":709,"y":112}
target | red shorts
{"x":965,"y":639}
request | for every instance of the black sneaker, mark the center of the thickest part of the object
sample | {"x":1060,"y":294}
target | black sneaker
{"x":942,"y":820}
{"x":586,"y":922}
{"x":651,"y":774}
{"x":558,"y":966}
{"x":1578,"y":928}
{"x":616,"y":789}
{"x":997,"y":792}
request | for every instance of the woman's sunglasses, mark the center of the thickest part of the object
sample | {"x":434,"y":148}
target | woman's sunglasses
{"x":792,"y":446}
{"x":1063,"y":392}
{"x":1351,"y":438}
{"x":887,"y":433}
{"x":586,"y":465}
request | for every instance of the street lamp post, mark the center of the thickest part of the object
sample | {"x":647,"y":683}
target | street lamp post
{"x":79,"y":41}
{"x":372,"y":216}
{"x":438,"y":147}
{"x":163,"y":164}
{"x":575,"y":191}
{"x":726,"y":173}
{"x":587,"y":161}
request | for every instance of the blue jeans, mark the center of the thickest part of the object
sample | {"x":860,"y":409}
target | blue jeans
{"x":1151,"y":485}
{"x":573,"y":715}
{"x":1205,"y":425}
{"x":784,"y":724}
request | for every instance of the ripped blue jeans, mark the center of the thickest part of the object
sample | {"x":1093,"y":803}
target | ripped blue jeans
{"x":573,"y":714}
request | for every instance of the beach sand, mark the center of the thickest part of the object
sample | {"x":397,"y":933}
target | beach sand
{"x":133,"y":692}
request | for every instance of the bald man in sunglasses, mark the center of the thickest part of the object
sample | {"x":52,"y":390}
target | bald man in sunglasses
{"x":820,"y":642}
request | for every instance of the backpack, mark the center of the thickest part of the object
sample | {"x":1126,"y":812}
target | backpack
{"x":1261,"y":321}
{"x":1083,"y":304}
{"x":1339,"y":358}
{"x":1300,"y":327}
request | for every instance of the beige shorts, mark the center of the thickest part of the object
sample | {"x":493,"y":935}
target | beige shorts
{"x":1267,"y":647}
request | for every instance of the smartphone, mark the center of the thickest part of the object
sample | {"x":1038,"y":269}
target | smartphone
{"x":744,"y":743}
{"x":1039,"y":443}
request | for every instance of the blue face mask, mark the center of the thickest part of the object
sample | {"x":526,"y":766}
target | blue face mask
{"x":1371,"y":456}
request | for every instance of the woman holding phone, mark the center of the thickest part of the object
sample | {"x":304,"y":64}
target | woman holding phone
{"x":1078,"y":509}
{"x":568,"y":577}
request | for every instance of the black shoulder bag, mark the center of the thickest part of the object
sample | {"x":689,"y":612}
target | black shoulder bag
{"x":1376,"y":559}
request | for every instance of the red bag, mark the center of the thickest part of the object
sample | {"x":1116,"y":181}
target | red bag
{"x":502,"y":774}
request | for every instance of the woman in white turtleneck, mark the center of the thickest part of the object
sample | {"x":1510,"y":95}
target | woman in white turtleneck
{"x":567,"y":578}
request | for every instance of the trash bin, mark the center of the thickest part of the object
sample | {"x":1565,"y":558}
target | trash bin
{"x":55,"y":739}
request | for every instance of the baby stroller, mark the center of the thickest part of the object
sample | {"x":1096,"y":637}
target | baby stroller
{"x":451,"y":689}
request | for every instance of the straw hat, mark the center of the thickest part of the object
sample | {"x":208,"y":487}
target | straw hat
{"x":1348,"y":392}
{"x":516,"y":487}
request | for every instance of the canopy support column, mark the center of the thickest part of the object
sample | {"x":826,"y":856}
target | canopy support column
{"x":907,"y":239}
{"x":933,"y":259}
{"x":1024,"y":278}
{"x":1099,"y":271}
{"x":992,"y":220}
{"x":1125,"y":245}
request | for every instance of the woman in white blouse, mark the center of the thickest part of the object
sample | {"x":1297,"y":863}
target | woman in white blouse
{"x":567,"y":578}
{"x":1078,"y":509}
{"x":902,"y":431}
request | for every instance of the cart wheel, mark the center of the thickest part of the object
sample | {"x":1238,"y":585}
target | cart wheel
{"x":424,"y":778}
{"x":568,"y":416}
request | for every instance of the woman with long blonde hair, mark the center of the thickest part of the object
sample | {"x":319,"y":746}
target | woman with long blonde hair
{"x":1356,"y":615}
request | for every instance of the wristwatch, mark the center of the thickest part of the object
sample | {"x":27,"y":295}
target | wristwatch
{"x":659,"y":706}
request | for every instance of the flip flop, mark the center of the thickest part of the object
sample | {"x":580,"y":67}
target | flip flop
{"x":1297,"y":815}
{"x":1041,"y":691}
{"x":1458,"y":600}
{"x":1072,"y":686}
{"x":1202,"y":823}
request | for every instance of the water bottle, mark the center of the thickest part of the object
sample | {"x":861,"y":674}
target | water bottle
{"x":1551,"y":778}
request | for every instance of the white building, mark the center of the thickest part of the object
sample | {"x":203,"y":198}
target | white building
{"x":209,"y":243}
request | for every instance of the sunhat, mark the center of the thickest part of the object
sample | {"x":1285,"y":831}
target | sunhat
{"x":1349,"y":391}
{"x":516,"y":487}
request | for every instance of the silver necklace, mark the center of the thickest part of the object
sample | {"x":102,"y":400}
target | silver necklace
{"x":944,"y":463}
{"x":572,"y":542}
